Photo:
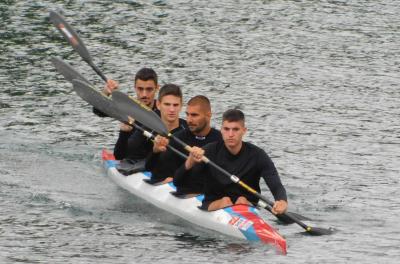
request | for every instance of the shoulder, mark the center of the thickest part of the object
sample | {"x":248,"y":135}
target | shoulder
{"x":213,"y":146}
{"x":255,"y":150}
{"x":182,"y":127}
{"x":215,"y":133}
{"x":182,"y":134}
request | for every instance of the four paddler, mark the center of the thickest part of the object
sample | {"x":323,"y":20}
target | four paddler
{"x":244,"y":159}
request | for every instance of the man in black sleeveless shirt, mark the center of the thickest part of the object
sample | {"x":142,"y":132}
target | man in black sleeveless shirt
{"x":200,"y":133}
{"x":243,"y":159}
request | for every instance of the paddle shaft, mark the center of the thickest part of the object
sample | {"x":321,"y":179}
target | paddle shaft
{"x":151,"y":136}
{"x":97,"y":70}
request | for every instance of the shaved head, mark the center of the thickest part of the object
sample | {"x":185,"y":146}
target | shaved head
{"x":201,"y":101}
{"x":198,"y":115}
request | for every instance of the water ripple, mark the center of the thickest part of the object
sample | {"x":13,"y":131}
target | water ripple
{"x":318,"y":81}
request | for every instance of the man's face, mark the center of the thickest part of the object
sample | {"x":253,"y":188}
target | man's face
{"x":197,"y":118}
{"x":170,"y":106}
{"x":146,"y":91}
{"x":232,"y":133}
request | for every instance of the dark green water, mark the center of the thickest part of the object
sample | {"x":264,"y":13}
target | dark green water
{"x":318,"y":81}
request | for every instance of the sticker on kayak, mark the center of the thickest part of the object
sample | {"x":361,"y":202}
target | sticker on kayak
{"x":240,"y":223}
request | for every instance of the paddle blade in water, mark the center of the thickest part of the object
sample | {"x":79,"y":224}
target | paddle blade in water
{"x":316,"y":231}
{"x":66,"y":70}
{"x":70,"y":35}
{"x":98,"y":100}
{"x":140,"y":112}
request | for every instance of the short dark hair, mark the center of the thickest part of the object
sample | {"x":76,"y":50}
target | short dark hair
{"x":170,"y":89}
{"x":146,"y":74}
{"x":201,"y":100}
{"x":233,"y":115}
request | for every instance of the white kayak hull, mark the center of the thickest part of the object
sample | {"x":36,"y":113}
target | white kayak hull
{"x":239,"y":221}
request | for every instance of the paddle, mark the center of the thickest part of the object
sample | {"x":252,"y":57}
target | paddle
{"x":72,"y":37}
{"x":144,"y":115}
{"x":89,"y":94}
{"x":86,"y":91}
{"x":66,"y":70}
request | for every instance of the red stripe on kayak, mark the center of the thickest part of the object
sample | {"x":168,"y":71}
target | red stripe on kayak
{"x":264,"y":231}
{"x":107,"y":155}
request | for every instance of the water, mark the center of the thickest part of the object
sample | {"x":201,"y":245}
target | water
{"x":318,"y":81}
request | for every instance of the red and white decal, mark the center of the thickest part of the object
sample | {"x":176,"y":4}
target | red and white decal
{"x":240,"y":223}
{"x":74,"y":42}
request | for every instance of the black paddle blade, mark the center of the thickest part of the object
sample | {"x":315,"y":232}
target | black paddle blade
{"x":288,"y":217}
{"x":89,"y":94}
{"x":316,"y":231}
{"x":140,"y":112}
{"x":66,"y":70}
{"x":70,"y":35}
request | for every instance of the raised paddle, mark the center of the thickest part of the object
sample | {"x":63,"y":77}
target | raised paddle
{"x":86,"y":91}
{"x":144,"y":115}
{"x":89,"y":94}
{"x":66,"y":70}
{"x":72,"y":37}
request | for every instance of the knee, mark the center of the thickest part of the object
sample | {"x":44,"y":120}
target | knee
{"x":226,"y":201}
{"x":242,"y":200}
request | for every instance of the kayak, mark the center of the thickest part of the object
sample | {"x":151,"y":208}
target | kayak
{"x":240,"y":221}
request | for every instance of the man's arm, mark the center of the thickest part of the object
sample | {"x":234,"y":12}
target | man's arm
{"x":121,"y":146}
{"x":273,"y":181}
{"x":181,"y":173}
{"x":159,"y":145}
{"x":194,"y":160}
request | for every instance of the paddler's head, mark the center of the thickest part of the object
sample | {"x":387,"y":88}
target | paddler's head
{"x":170,"y":102}
{"x":146,"y":86}
{"x":198,"y":115}
{"x":233,"y":129}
